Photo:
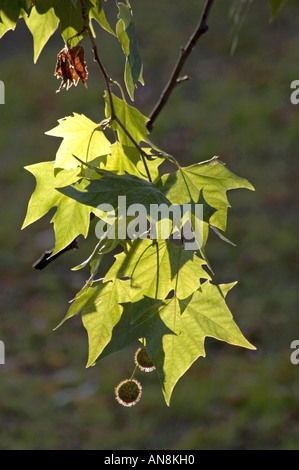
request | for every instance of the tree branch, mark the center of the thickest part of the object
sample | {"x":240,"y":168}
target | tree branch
{"x":46,"y":257}
{"x":201,"y":29}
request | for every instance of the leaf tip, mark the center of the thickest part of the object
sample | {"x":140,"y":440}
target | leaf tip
{"x":90,"y":363}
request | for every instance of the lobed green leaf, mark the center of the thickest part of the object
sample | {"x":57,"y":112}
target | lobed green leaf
{"x":205,"y":314}
{"x":71,"y":218}
{"x":212,"y":179}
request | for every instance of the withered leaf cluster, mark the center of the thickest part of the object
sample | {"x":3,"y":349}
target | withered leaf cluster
{"x":71,"y":67}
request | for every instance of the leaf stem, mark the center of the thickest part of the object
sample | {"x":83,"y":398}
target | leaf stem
{"x":134,"y":372}
{"x":201,"y":29}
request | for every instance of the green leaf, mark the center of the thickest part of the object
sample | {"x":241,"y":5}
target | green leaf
{"x":71,"y":20}
{"x":131,"y":118}
{"x":10,"y":12}
{"x":69,"y":13}
{"x":126,"y":34}
{"x":139,"y":320}
{"x":81,"y":299}
{"x":97,"y":12}
{"x":44,"y":16}
{"x":212,"y":178}
{"x":72,"y":23}
{"x":71,"y":218}
{"x":124,"y":159}
{"x":276,"y":6}
{"x":42,"y":26}
{"x":101,"y":314}
{"x":81,"y":137}
{"x":109,"y":187}
{"x":203,"y":315}
{"x":157,"y":268}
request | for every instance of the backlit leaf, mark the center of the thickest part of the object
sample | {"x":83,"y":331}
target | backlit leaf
{"x":109,"y":187}
{"x":81,"y":299}
{"x":158,"y":268}
{"x":140,"y":319}
{"x":102,"y":312}
{"x":71,"y":218}
{"x":42,"y":26}
{"x":126,"y":34}
{"x":212,"y":178}
{"x":97,"y":12}
{"x":44,"y":16}
{"x":10,"y":12}
{"x":131,"y":118}
{"x":81,"y":137}
{"x":203,"y":315}
{"x":124,"y":159}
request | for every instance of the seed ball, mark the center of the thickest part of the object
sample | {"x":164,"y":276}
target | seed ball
{"x":143,"y":360}
{"x":128,"y":392}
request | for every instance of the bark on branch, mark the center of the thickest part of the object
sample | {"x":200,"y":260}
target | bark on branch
{"x":201,"y":29}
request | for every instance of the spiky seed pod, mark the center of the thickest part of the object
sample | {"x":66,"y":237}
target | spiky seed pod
{"x":128,"y":392}
{"x":143,"y":360}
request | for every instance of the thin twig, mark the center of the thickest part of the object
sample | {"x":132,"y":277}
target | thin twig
{"x":201,"y":29}
{"x":97,"y":59}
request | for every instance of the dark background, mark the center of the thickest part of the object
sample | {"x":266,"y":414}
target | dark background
{"x":237,"y":107}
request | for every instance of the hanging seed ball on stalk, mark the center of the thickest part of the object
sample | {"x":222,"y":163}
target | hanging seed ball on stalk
{"x":143,"y":360}
{"x":128,"y":392}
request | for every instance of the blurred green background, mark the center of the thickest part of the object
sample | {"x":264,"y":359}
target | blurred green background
{"x":236,"y":107}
